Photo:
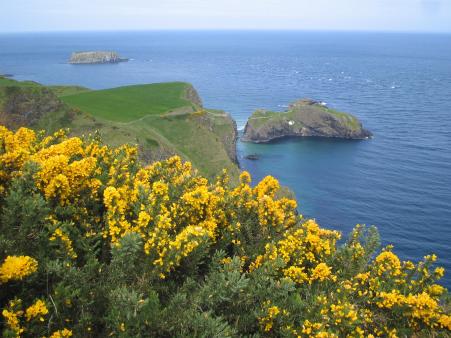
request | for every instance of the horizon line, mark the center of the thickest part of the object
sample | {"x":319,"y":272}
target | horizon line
{"x":226,"y":30}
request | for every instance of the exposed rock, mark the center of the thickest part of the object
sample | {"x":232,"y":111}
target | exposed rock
{"x":24,"y":106}
{"x":303,"y":118}
{"x":252,"y":157}
{"x":229,"y":139}
{"x":217,"y":121}
{"x":192,"y":95}
{"x":224,"y":126}
{"x":95,"y":57}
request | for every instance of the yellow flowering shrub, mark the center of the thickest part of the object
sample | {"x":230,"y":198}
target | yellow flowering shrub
{"x":130,"y":250}
{"x":267,"y":321}
{"x":37,"y":310}
{"x":16,"y":318}
{"x":12,"y":315}
{"x":17,"y":268}
{"x":61,"y":333}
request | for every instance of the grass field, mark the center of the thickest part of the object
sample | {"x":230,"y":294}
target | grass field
{"x":4,"y":81}
{"x":129,"y":103}
{"x":61,"y":91}
{"x":261,"y":117}
{"x":350,"y":120}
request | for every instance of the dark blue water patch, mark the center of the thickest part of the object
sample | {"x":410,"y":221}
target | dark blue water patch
{"x":398,"y":85}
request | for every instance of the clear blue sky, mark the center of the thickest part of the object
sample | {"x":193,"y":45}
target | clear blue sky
{"x":379,"y":15}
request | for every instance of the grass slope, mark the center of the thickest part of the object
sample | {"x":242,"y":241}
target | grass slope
{"x":161,"y":119}
{"x":6,"y":82}
{"x":126,"y":104}
{"x":61,"y":91}
{"x":261,"y":117}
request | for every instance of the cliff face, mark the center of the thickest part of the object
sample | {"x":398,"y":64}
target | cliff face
{"x":217,"y":121}
{"x":95,"y":57}
{"x":192,"y":95}
{"x":224,"y":126}
{"x":303,"y":118}
{"x":229,"y":140}
{"x":25,"y":106}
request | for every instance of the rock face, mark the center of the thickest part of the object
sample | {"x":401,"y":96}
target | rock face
{"x":303,"y":118}
{"x":218,"y":122}
{"x":224,"y":127}
{"x":24,"y":106}
{"x":229,"y":139}
{"x":95,"y":57}
{"x":192,"y":95}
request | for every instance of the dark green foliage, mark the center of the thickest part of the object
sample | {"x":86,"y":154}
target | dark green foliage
{"x":22,"y":215}
{"x":360,"y":248}
{"x":111,"y":291}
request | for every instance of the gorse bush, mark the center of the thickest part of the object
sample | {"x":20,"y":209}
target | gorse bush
{"x":93,"y":244}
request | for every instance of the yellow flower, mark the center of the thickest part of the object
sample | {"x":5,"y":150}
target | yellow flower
{"x":35,"y":310}
{"x":17,"y":268}
{"x":296,"y":274}
{"x":58,"y":233}
{"x":321,"y":272}
{"x":445,"y":321}
{"x":160,"y":188}
{"x":388,"y":262}
{"x":61,"y":333}
{"x":267,"y":321}
{"x":143,"y":219}
{"x":245,"y":178}
{"x":12,"y":321}
{"x":436,"y":290}
{"x":440,"y":272}
{"x":389,"y":299}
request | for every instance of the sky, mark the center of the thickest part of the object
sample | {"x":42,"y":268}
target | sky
{"x":354,"y":15}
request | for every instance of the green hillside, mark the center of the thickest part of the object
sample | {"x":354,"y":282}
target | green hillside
{"x":125,"y":104}
{"x":4,"y":81}
{"x":162,"y":119}
{"x":61,"y":91}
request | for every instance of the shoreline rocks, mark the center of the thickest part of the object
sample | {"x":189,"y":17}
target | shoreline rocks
{"x":303,"y":118}
{"x":95,"y":57}
{"x":252,"y":157}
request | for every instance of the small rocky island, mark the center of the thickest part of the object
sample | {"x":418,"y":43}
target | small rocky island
{"x":95,"y":57}
{"x":303,"y":118}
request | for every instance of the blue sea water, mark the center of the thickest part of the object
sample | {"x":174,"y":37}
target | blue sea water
{"x":399,"y":85}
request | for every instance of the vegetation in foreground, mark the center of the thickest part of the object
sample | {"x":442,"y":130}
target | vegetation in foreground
{"x":93,"y":244}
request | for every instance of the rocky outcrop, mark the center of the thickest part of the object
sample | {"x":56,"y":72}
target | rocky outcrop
{"x":224,"y":127}
{"x":95,"y":57}
{"x":217,"y":121}
{"x":192,"y":95}
{"x":25,"y":106}
{"x":229,"y":139}
{"x":302,"y":119}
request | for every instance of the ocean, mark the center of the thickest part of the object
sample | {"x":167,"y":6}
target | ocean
{"x":398,"y":85}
